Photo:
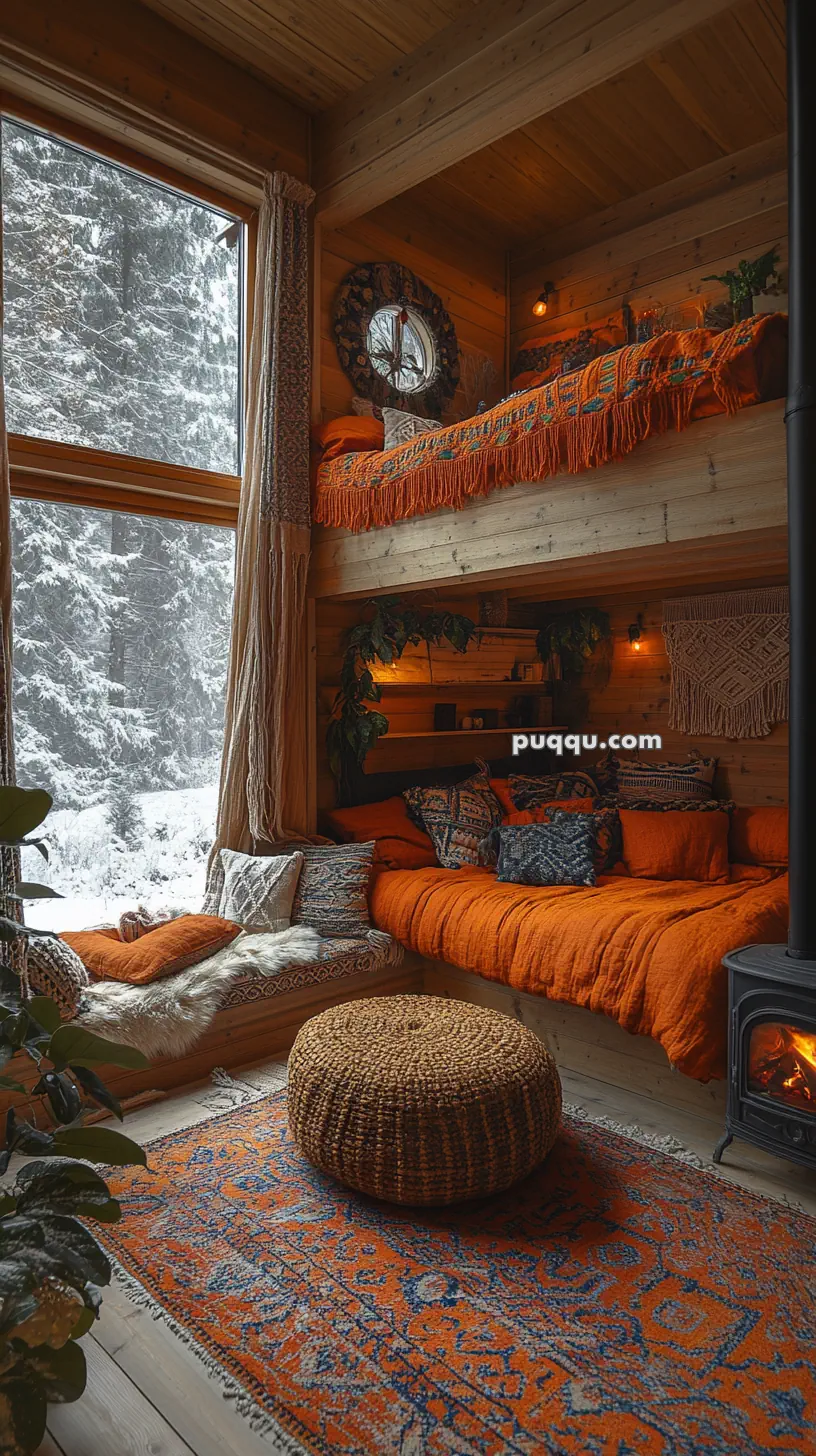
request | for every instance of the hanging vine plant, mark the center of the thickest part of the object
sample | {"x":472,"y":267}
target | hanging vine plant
{"x":571,"y":638}
{"x":354,"y":727}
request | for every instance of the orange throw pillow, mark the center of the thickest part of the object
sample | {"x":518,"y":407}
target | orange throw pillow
{"x":172,"y":947}
{"x":542,"y":813}
{"x":676,"y":845}
{"x":400,"y":843}
{"x":759,"y":836}
{"x":349,"y":433}
{"x":501,"y":788}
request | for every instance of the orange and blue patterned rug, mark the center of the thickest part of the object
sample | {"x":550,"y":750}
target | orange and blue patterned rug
{"x":617,"y":1303}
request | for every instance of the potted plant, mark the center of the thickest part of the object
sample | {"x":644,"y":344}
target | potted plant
{"x":747,"y":282}
{"x":51,"y":1266}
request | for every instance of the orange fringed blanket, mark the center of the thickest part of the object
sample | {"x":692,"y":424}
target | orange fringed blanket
{"x":648,"y":953}
{"x":574,"y":423}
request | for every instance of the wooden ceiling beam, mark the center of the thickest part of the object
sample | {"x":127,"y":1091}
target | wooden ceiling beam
{"x":477,"y":80}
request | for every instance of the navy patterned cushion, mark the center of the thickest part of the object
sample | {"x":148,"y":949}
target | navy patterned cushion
{"x":529,"y":791}
{"x":560,"y":852}
{"x":332,"y":892}
{"x":457,"y":817}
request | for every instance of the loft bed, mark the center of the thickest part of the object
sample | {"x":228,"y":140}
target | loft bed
{"x":724,"y":387}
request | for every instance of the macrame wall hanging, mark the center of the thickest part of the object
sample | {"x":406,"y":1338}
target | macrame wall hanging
{"x":408,"y":362}
{"x":729,"y":662}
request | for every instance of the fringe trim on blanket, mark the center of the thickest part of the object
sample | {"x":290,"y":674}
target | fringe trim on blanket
{"x":574,"y":445}
{"x":729,"y":662}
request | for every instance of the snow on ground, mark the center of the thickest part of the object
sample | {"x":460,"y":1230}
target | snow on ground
{"x":100,"y":876}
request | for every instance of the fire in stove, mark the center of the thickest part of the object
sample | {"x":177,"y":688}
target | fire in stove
{"x":782,"y":1064}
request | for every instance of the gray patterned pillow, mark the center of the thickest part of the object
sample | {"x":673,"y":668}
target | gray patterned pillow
{"x":332,"y":892}
{"x":560,"y":852}
{"x":55,"y":970}
{"x":258,"y":892}
{"x":401,"y":427}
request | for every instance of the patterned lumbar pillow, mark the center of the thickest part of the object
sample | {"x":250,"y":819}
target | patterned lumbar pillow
{"x":401,"y":427}
{"x":259,"y":891}
{"x":561,"y":852}
{"x":528,"y":791}
{"x":332,"y":892}
{"x":457,"y":817}
{"x":55,"y":970}
{"x":692,"y":780}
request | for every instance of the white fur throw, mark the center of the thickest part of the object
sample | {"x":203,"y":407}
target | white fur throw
{"x":166,"y":1017}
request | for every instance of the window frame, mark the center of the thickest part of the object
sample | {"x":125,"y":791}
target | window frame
{"x":51,"y":470}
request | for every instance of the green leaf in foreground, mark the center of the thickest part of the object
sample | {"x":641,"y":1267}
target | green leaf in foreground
{"x":73,"y":1044}
{"x":99,"y":1145}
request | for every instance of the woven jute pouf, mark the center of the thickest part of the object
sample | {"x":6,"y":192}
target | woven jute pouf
{"x":417,"y":1099}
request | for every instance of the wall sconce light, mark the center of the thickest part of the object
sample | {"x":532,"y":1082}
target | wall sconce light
{"x":541,"y":303}
{"x":635,"y":633}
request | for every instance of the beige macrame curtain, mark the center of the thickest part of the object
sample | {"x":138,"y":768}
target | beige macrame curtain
{"x":729,"y":662}
{"x":263,"y":774}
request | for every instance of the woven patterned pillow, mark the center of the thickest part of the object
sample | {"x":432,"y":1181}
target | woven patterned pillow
{"x":457,"y":817}
{"x":528,"y":791}
{"x":55,"y":970}
{"x":608,"y":836}
{"x":560,"y":852}
{"x":258,"y":890}
{"x":692,"y":780}
{"x":332,"y":892}
{"x":617,"y":801}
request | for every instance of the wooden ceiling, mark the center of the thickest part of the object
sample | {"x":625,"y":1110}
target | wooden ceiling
{"x":315,"y":51}
{"x":719,"y":89}
{"x":714,"y":92}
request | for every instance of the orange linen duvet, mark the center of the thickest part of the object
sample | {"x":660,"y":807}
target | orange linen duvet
{"x":646,"y":952}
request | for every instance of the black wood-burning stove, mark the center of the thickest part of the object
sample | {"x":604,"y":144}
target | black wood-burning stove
{"x":772,"y":988}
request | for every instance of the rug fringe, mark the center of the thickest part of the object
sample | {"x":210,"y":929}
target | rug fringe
{"x":672,"y":1148}
{"x":281,"y":1444}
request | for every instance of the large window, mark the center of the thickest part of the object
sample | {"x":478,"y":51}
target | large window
{"x":123,"y":370}
{"x":122,"y":308}
{"x":121,"y":627}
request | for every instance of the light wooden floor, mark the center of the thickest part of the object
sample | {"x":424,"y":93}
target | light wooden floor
{"x":148,"y":1395}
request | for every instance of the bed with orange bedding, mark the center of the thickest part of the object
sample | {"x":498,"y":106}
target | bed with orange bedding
{"x":647,"y":953}
{"x":575,"y":422}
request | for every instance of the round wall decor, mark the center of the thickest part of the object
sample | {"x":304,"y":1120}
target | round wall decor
{"x":395,"y":340}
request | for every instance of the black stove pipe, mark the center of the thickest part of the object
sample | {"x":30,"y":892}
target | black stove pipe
{"x":800,"y":420}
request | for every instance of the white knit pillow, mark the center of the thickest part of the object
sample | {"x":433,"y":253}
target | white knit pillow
{"x":401,"y":427}
{"x":259,"y":889}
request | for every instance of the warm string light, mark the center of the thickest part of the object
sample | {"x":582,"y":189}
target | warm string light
{"x":542,"y":302}
{"x":635,"y":634}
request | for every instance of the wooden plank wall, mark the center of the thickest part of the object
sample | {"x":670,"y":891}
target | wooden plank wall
{"x":636,"y":699}
{"x":654,"y":250}
{"x":468,"y":275}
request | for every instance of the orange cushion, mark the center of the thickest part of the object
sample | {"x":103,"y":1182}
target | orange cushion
{"x":401,"y":844}
{"x":676,"y":845}
{"x":759,"y":836}
{"x":501,"y":788}
{"x":349,"y":433}
{"x":172,"y":947}
{"x":542,"y":813}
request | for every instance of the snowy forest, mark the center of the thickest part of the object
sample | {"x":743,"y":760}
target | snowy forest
{"x":122,"y":333}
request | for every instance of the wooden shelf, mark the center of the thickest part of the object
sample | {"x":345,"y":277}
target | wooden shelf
{"x":488,"y":686}
{"x":473,"y":732}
